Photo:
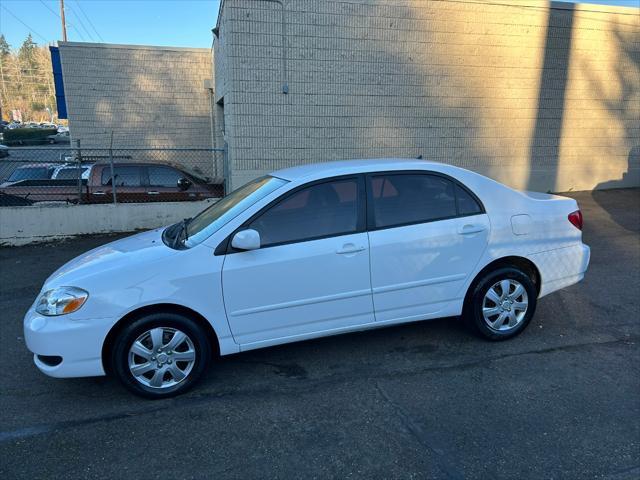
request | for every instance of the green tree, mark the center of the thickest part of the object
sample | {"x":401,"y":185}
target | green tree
{"x":26,"y":54}
{"x":26,"y":80}
{"x":5,"y":48}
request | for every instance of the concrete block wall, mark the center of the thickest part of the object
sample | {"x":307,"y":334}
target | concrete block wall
{"x":150,"y":97}
{"x":538,"y":95}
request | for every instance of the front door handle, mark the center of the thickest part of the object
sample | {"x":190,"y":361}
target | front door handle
{"x":471,"y":228}
{"x":349,"y":248}
{"x":99,"y":193}
{"x":153,"y":193}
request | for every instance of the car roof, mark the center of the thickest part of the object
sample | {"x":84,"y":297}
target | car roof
{"x":346,"y":167}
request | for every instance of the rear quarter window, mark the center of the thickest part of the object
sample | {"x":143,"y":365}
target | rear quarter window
{"x":467,"y":205}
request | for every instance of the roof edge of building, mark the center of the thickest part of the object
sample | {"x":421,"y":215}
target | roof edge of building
{"x":131,"y":47}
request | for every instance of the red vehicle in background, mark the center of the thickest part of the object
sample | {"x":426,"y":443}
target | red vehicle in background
{"x":134,"y":182}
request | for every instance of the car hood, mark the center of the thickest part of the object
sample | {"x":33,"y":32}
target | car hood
{"x":127,"y":253}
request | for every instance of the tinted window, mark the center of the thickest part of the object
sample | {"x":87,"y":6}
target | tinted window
{"x":321,"y":210}
{"x":164,"y":176}
{"x":408,"y":198}
{"x":35,"y":173}
{"x":126,"y":176}
{"x":467,"y":205}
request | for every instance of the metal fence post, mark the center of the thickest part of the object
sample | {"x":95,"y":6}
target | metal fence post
{"x":225,"y":169}
{"x":79,"y":157}
{"x":113,"y":179}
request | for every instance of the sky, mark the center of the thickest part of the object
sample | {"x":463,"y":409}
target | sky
{"x":179,"y":23}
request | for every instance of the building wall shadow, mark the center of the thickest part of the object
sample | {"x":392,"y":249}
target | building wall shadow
{"x":544,"y":153}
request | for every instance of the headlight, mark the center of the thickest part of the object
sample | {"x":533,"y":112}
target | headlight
{"x":61,"y":300}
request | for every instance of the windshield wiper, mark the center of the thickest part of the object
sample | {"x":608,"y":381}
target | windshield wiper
{"x":183,"y":228}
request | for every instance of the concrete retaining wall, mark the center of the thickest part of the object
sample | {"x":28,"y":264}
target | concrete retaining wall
{"x":23,"y":225}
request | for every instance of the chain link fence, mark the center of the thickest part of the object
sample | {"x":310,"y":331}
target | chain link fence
{"x":33,"y":175}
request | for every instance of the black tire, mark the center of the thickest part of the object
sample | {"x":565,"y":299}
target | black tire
{"x":168,"y":321}
{"x":473,"y":311}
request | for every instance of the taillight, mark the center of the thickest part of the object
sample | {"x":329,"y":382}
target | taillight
{"x":576,"y":219}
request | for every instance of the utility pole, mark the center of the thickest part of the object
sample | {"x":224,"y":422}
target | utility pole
{"x":64,"y":23}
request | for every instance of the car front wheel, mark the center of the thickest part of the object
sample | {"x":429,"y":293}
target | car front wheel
{"x":160,"y":355}
{"x":502,"y":303}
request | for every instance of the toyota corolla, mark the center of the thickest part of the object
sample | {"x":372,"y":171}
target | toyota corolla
{"x":306,"y":252}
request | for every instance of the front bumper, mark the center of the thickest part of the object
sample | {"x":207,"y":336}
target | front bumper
{"x":77,"y":341}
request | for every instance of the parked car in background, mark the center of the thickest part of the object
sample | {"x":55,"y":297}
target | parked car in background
{"x":302,"y":253}
{"x":35,"y":171}
{"x":134,"y":182}
{"x":60,"y":137}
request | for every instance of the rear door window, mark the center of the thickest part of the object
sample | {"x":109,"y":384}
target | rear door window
{"x":125,"y":176}
{"x":405,"y":199}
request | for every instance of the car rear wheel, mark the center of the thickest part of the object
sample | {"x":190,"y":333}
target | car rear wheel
{"x":502,"y":303}
{"x":161,"y":355}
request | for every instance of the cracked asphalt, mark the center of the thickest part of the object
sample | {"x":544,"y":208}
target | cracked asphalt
{"x":425,"y":400}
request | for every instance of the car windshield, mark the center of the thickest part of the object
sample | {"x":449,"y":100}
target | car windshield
{"x":220,"y":213}
{"x":36,"y":173}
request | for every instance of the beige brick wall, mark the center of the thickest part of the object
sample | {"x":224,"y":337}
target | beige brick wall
{"x":537,"y":95}
{"x":148,"y":96}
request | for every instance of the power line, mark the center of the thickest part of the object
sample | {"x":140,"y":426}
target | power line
{"x":28,"y":27}
{"x":81,"y":23}
{"x":77,"y":31}
{"x":48,"y":8}
{"x":89,"y":20}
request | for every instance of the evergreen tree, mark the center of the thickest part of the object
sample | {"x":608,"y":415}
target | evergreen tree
{"x":5,"y":48}
{"x":26,"y":80}
{"x":26,"y":54}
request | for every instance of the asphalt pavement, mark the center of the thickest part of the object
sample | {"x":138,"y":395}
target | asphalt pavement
{"x":425,"y":400}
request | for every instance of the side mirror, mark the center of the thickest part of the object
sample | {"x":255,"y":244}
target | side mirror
{"x":184,"y":183}
{"x":246,"y":240}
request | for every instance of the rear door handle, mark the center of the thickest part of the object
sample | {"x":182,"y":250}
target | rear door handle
{"x":99,"y":193}
{"x":349,"y":248}
{"x":153,"y":193}
{"x":470,"y":228}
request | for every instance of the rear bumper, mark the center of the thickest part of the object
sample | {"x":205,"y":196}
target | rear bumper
{"x":77,"y":342}
{"x":561,"y":267}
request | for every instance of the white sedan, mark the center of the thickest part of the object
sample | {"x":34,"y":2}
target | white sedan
{"x":302,"y":253}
